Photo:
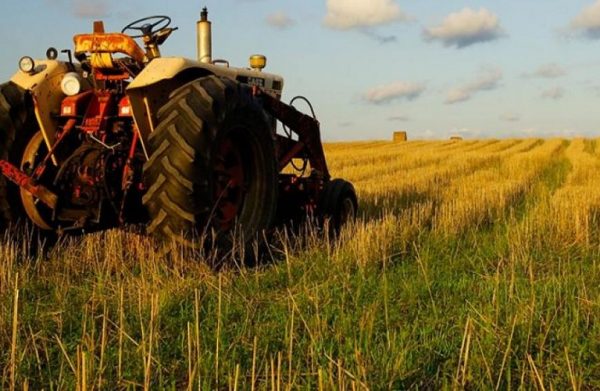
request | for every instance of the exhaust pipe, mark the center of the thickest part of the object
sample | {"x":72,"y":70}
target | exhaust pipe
{"x":204,"y":31}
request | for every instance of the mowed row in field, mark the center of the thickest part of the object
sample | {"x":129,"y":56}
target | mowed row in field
{"x":452,"y":187}
{"x":474,"y":264}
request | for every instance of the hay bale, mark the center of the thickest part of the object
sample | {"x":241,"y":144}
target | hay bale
{"x":456,"y":138}
{"x":400,"y":136}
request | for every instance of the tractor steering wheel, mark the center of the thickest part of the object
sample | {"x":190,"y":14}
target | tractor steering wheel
{"x":148,"y":26}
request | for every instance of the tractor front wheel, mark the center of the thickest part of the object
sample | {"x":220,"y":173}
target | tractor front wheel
{"x":338,"y":205}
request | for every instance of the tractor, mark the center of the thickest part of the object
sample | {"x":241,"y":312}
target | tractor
{"x":114,"y":134}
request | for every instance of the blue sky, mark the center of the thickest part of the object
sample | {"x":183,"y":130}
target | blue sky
{"x":511,"y":68}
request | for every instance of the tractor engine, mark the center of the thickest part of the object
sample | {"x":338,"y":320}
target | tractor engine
{"x":84,"y":182}
{"x":92,"y":179}
{"x":94,"y":168}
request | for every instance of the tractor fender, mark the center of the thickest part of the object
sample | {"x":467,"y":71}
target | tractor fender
{"x":43,"y":84}
{"x":165,"y":68}
{"x":151,"y":89}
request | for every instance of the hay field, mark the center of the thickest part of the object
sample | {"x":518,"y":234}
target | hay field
{"x":474,"y":264}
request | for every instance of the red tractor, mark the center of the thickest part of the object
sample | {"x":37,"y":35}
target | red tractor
{"x":117,"y":134}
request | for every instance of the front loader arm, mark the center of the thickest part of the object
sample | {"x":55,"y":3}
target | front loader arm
{"x":306,"y":127}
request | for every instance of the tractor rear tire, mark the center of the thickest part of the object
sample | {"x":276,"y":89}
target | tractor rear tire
{"x":338,"y":205}
{"x":17,"y":126}
{"x":212,"y":168}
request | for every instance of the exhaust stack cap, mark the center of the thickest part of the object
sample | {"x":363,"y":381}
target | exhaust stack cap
{"x":258,"y":62}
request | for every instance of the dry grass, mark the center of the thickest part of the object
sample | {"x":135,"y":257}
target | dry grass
{"x":474,"y":265}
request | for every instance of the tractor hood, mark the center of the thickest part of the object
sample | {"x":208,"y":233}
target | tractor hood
{"x":169,"y":67}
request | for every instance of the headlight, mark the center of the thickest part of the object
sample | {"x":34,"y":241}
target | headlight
{"x":71,"y":84}
{"x":26,"y":64}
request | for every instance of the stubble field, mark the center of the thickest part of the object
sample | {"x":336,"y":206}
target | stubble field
{"x":474,"y":264}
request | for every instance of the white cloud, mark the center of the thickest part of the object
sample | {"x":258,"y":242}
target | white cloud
{"x":394,"y":91}
{"x":279,"y":20}
{"x":349,"y":14}
{"x":487,"y":81}
{"x":548,"y":71}
{"x":465,"y":28}
{"x":554,"y":93}
{"x":588,"y":21}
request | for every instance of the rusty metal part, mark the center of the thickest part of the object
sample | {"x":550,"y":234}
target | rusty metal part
{"x":128,"y":179}
{"x":108,"y":44}
{"x":74,"y":106}
{"x":32,"y":155}
{"x":125,"y":108}
{"x":290,"y":154}
{"x":98,"y":111}
{"x":99,"y":27}
{"x":27,"y":183}
{"x":41,"y":167}
{"x":307,"y":129}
